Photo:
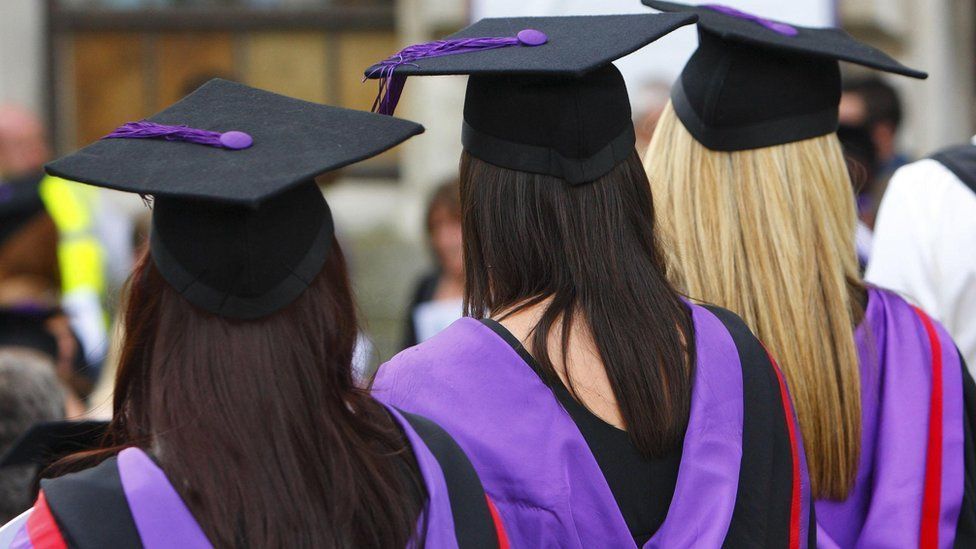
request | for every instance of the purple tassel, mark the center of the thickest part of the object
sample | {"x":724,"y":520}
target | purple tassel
{"x":145,"y":129}
{"x":775,"y":26}
{"x":391,"y":84}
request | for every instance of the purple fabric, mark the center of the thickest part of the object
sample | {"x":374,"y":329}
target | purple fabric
{"x":775,"y":26}
{"x":438,"y":515}
{"x":883,"y":509}
{"x":145,"y":129}
{"x":532,"y":459}
{"x":391,"y":85}
{"x":22,"y":539}
{"x":161,"y":517}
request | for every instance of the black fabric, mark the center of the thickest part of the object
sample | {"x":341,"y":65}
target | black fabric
{"x":576,"y":129}
{"x":28,"y":329}
{"x":473,"y":523}
{"x":45,"y":443}
{"x":91,"y":510}
{"x":294,"y":141}
{"x":748,"y":87}
{"x":423,"y":292}
{"x":548,"y":161}
{"x":642,"y":487}
{"x":241,"y":262}
{"x":961,"y":161}
{"x":966,"y":527}
{"x":803,"y":106}
{"x":761,"y":517}
{"x":558,"y":109}
{"x":20,"y":203}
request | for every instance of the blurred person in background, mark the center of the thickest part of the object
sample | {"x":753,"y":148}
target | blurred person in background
{"x":30,"y":275}
{"x":651,"y":98}
{"x":437,"y":297}
{"x":925,"y":240}
{"x":758,"y":206}
{"x":76,"y":218}
{"x":871,"y":105}
{"x":862,"y":165}
{"x":236,"y":420}
{"x":29,"y":394}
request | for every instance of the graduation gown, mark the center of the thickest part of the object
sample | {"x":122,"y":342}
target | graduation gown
{"x":915,"y":483}
{"x":127,"y":501}
{"x":741,"y":480}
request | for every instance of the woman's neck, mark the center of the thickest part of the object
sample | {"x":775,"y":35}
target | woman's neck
{"x":581,"y":369}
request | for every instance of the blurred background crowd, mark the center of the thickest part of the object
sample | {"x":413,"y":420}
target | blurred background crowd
{"x":73,"y":70}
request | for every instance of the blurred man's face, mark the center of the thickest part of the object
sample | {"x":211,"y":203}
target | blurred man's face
{"x":853,"y":110}
{"x":23,"y":145}
{"x":445,"y":236}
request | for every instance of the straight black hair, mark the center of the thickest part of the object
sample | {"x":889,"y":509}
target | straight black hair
{"x":593,"y":251}
{"x":259,"y":424}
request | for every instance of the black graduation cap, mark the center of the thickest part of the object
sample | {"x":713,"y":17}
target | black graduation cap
{"x":543,"y":95}
{"x":239,"y":227}
{"x":46,"y":442}
{"x":20,"y":203}
{"x":27,"y":328}
{"x":755,"y":82}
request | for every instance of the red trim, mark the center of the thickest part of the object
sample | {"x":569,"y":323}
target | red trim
{"x":932,"y":492}
{"x":499,"y":527}
{"x":42,"y":529}
{"x":795,"y":503}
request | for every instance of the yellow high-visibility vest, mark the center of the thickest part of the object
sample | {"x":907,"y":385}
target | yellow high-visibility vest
{"x":81,"y":257}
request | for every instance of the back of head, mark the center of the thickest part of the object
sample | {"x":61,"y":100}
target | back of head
{"x":23,"y":143}
{"x":29,"y":393}
{"x":769,"y":234}
{"x":591,"y":250}
{"x":882,"y":105}
{"x":258,"y":423}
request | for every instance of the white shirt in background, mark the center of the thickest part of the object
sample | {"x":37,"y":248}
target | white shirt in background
{"x":924,"y":247}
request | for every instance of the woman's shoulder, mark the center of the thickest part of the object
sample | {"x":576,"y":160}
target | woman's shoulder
{"x":762,"y":379}
{"x":714,"y":323}
{"x":892,"y":314}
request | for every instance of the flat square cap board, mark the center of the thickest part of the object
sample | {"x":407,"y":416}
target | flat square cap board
{"x":293,"y":141}
{"x":755,"y":82}
{"x":543,"y":95}
{"x":827,"y":42}
{"x":575,"y":45}
{"x":239,"y":227}
{"x":20,"y":204}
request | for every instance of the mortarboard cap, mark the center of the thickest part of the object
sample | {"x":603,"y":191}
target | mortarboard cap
{"x":754,"y":82}
{"x":543,"y":95}
{"x":20,"y":203}
{"x":239,"y":227}
{"x":26,"y":327}
{"x":49,"y":441}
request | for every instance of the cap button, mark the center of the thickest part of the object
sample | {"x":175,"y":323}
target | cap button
{"x":532,"y":37}
{"x":236,"y":140}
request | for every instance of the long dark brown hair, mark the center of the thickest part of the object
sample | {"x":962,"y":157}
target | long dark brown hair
{"x":592,"y":250}
{"x":259,"y":424}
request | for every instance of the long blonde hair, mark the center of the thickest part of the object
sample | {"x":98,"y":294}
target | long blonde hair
{"x":769,"y":234}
